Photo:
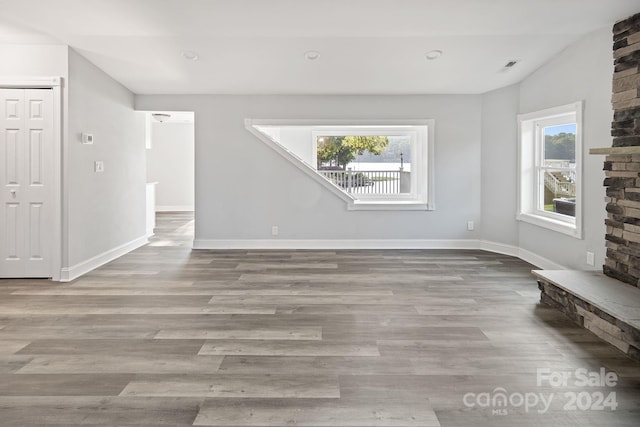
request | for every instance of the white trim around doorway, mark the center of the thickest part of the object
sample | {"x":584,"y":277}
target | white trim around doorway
{"x":56,"y":84}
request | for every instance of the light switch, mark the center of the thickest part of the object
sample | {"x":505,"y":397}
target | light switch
{"x":87,"y":138}
{"x":98,"y":166}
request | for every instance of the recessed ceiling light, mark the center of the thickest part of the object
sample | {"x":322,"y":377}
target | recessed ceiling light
{"x":311,"y":55}
{"x":190,"y":55}
{"x":433,"y":54}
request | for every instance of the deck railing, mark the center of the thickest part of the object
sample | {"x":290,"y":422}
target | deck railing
{"x":560,"y":188}
{"x":365,"y":182}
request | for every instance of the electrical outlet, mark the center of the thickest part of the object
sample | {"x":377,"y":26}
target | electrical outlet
{"x":274,"y":230}
{"x":591,"y":259}
{"x":98,"y":166}
{"x":470,"y":225}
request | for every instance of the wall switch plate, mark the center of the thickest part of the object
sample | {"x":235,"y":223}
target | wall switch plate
{"x":591,"y":259}
{"x":98,"y":166}
{"x":274,"y":230}
{"x":470,"y":225}
{"x":87,"y":138}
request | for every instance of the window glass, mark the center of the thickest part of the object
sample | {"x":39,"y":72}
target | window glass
{"x":366,"y":164}
{"x":558,"y":183}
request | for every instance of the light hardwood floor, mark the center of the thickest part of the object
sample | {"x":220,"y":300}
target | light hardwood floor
{"x":170,"y":336}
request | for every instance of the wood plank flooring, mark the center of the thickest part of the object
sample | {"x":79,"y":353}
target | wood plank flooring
{"x":170,"y":336}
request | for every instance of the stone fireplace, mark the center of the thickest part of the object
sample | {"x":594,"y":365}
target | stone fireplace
{"x":609,"y":304}
{"x":622,"y":164}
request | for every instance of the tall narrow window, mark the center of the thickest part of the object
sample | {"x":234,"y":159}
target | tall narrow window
{"x":549,"y":164}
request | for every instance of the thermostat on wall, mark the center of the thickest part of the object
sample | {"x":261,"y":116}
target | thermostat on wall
{"x":87,"y":138}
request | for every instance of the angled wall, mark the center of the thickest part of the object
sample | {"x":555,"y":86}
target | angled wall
{"x":583,"y":71}
{"x":499,"y":166}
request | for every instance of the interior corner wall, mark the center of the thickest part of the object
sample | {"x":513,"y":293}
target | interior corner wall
{"x":243,"y":187}
{"x":499,"y":166}
{"x":105,"y":211}
{"x":170,"y":163}
{"x":583,"y":71}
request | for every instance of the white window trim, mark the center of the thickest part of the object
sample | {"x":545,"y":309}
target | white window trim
{"x":425,"y":202}
{"x":528,"y":152}
{"x":417,"y":152}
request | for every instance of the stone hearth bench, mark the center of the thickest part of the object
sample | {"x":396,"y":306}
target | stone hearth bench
{"x":605,"y":306}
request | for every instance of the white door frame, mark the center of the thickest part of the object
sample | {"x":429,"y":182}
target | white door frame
{"x":54,"y":83}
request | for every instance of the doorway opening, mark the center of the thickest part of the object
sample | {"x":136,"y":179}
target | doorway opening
{"x":170,"y":163}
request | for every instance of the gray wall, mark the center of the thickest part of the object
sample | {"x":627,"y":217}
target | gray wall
{"x":105,"y":210}
{"x":499,"y":166}
{"x":243,"y":187}
{"x":581,"y":72}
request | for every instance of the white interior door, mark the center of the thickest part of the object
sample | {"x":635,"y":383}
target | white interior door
{"x":26,"y":182}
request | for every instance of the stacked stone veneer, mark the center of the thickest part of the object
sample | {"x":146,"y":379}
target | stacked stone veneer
{"x":606,"y":326}
{"x":623,"y":170}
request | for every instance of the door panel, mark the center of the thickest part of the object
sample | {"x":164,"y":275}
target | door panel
{"x":35,"y":231}
{"x":35,"y":157}
{"x":26,"y":177}
{"x":11,"y":146}
{"x":13,"y":229}
{"x":14,"y":104}
{"x":35,"y":109}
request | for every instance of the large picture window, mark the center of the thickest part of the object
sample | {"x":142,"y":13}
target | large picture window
{"x":550,"y":168}
{"x":372,"y":165}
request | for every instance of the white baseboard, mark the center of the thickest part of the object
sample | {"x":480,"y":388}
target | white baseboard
{"x":499,"y":248}
{"x":334,"y":244}
{"x":178,"y":208}
{"x":68,"y":274}
{"x":539,"y":261}
{"x":266,"y":244}
{"x":530,"y":257}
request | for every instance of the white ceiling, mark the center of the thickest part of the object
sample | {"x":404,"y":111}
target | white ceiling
{"x":257,"y":46}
